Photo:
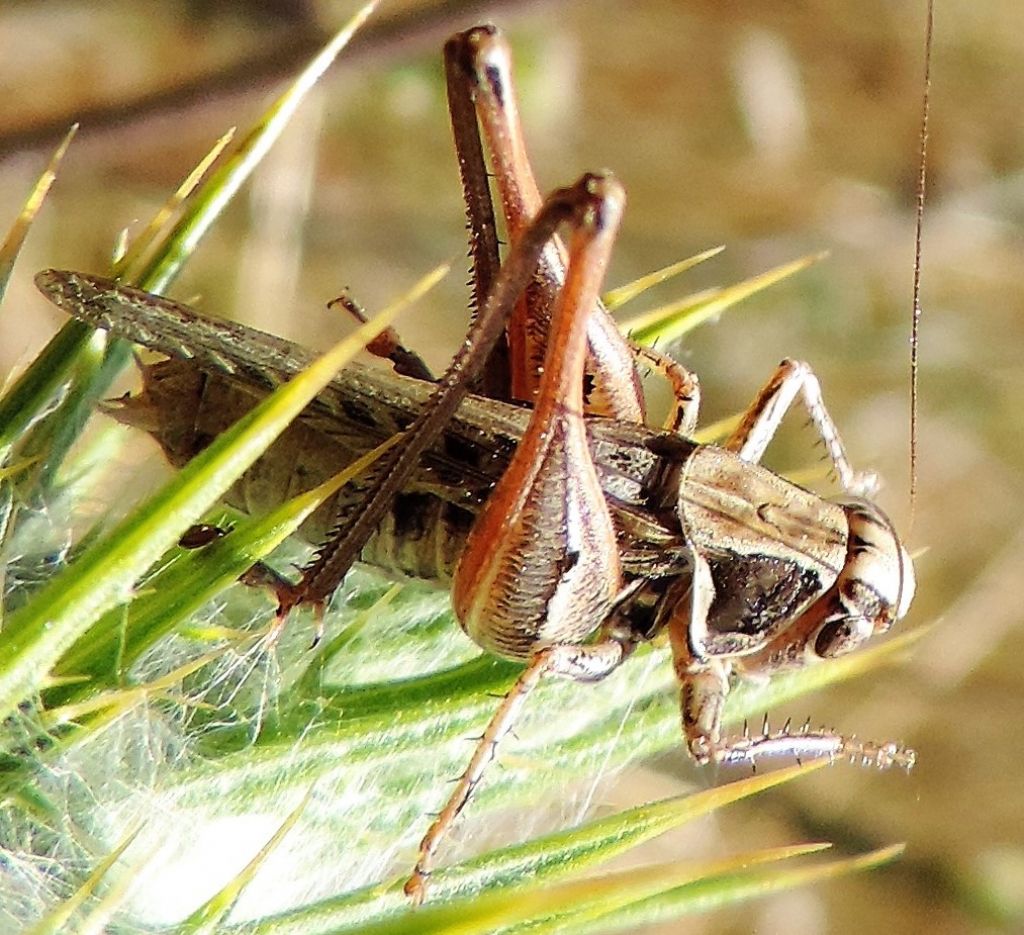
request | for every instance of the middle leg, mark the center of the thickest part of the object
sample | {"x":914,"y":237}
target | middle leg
{"x":792,"y":379}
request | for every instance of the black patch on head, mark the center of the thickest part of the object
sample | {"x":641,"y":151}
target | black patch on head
{"x":828,"y":634}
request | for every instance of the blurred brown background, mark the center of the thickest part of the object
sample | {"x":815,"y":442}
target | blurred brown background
{"x":777,"y":129}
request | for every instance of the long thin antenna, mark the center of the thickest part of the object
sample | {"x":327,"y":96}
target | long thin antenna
{"x":915,"y":328}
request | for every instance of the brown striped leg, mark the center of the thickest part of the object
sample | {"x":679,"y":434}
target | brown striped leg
{"x":580,"y":663}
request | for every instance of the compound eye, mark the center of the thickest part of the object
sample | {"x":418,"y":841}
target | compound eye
{"x":840,"y":635}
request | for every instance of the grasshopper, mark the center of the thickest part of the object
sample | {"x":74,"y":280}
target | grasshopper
{"x":570,"y":530}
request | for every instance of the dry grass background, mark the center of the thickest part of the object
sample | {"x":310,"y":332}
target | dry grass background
{"x":776,"y":129}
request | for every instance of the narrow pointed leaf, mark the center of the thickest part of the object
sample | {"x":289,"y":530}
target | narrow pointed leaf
{"x":616,"y":298}
{"x":206,"y":920}
{"x":542,"y":861}
{"x":57,"y":920}
{"x":712,"y":893}
{"x":678,"y":318}
{"x":211,"y":199}
{"x":11,"y":246}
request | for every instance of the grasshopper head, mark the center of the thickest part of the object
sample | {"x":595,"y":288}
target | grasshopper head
{"x":875,"y":587}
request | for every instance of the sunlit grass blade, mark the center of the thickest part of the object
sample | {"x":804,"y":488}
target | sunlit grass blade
{"x":208,"y":917}
{"x":31,"y":396}
{"x":218,"y":191}
{"x":604,"y":903}
{"x":544,"y":860}
{"x":57,"y":920}
{"x":133,"y":253}
{"x":611,"y":894}
{"x":11,"y":246}
{"x":730,"y":888}
{"x":101,"y":707}
{"x":104,"y":576}
{"x":96,"y":360}
{"x":27,"y":399}
{"x":676,"y":319}
{"x":616,"y":298}
{"x":95,"y":364}
{"x":181,"y":587}
{"x":571,"y":852}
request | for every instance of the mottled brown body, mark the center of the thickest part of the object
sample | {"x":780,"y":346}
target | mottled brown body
{"x":571,"y":531}
{"x":364,"y":406}
{"x":765,"y":535}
